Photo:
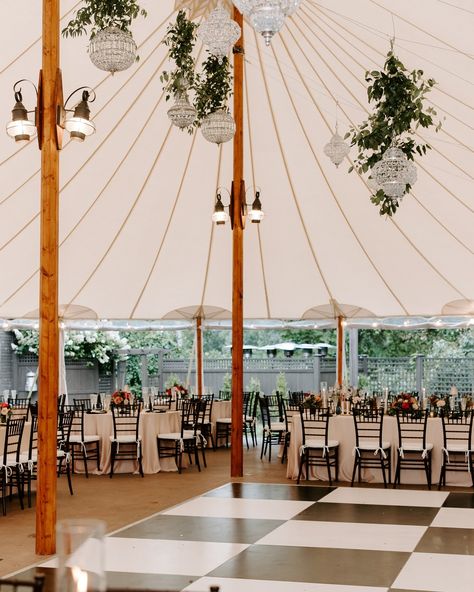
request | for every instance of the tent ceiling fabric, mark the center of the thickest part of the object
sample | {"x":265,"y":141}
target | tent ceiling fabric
{"x":136,"y":235}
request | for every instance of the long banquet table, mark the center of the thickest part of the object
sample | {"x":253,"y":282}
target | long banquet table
{"x":341,"y":428}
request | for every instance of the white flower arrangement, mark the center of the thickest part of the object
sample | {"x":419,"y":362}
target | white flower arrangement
{"x":97,"y":345}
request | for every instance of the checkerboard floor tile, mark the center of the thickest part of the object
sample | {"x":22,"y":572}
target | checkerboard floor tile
{"x":289,"y":538}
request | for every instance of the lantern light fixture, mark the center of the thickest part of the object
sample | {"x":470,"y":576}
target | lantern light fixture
{"x":21,"y":128}
{"x":253,"y":209}
{"x":79,"y":125}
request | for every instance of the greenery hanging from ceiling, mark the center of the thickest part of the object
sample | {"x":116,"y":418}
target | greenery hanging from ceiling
{"x":398,"y":96}
{"x":100,"y":14}
{"x":213,"y":87}
{"x":180,"y":40}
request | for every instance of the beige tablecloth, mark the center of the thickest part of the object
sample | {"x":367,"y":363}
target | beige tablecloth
{"x":151,"y":424}
{"x":341,"y":428}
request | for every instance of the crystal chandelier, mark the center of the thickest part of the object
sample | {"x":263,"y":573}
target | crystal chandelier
{"x":218,"y":127}
{"x":336,"y":149}
{"x":394,"y":172}
{"x":219,"y":32}
{"x":182,"y":114}
{"x":112,"y":50}
{"x":267,"y":16}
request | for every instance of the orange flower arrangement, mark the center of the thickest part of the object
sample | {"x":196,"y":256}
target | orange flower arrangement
{"x":120,"y":398}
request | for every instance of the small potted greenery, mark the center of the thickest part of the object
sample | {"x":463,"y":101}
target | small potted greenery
{"x":111,"y":46}
{"x":180,"y":40}
{"x":213,"y":89}
{"x":386,"y":140}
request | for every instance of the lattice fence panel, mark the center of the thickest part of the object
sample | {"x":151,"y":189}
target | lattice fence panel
{"x":396,"y":374}
{"x":440,"y":374}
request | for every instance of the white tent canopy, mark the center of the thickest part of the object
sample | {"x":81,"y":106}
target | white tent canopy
{"x":137,"y":241}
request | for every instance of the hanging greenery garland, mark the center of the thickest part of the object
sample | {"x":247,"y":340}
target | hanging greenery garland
{"x":100,"y":14}
{"x":398,"y":97}
{"x":180,"y":40}
{"x":213,"y":87}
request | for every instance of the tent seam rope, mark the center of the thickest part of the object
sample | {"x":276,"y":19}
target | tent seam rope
{"x":378,"y":272}
{"x":374,"y":49}
{"x":328,"y":290}
{"x":252,"y":164}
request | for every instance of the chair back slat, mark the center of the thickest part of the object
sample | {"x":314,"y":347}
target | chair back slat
{"x":126,"y":420}
{"x":368,"y":424}
{"x":315,"y":423}
{"x":13,"y":436}
{"x":412,"y":427}
{"x":457,"y":428}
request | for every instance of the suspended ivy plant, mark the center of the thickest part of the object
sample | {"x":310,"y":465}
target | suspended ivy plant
{"x":100,"y":14}
{"x":398,"y":97}
{"x":180,"y":40}
{"x":213,"y":87}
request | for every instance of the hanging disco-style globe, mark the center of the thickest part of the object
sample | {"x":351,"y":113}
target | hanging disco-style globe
{"x":182,"y":114}
{"x":336,"y":149}
{"x":219,"y":32}
{"x":218,"y":127}
{"x":112,"y":50}
{"x":394,"y":172}
{"x":291,"y":6}
{"x":267,"y":18}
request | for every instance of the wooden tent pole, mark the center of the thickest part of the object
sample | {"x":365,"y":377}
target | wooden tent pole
{"x":340,"y":350}
{"x":238,"y":198}
{"x":49,"y":331}
{"x":199,"y":367}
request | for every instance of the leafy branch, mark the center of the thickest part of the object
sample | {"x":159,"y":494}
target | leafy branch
{"x":100,"y":14}
{"x":398,"y":97}
{"x":213,"y":87}
{"x":180,"y":39}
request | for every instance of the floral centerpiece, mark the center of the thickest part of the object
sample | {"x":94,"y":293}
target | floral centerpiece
{"x":437,"y":404}
{"x":121,"y":399}
{"x":177,"y":390}
{"x":5,"y":412}
{"x":405,"y":403}
{"x":312,"y":401}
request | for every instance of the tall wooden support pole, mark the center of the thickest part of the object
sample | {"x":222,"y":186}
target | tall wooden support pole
{"x":49,"y":330}
{"x":199,"y":368}
{"x":237,"y":458}
{"x":340,"y":351}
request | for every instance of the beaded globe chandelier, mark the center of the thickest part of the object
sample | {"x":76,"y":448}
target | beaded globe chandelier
{"x":218,"y":127}
{"x":336,"y":149}
{"x":219,"y":32}
{"x":267,"y":16}
{"x":182,"y":114}
{"x":112,"y":50}
{"x":394,"y":172}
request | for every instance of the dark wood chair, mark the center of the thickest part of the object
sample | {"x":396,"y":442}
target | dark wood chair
{"x":65,"y":420}
{"x":370,"y":451}
{"x":316,"y":449}
{"x":275,"y":425}
{"x":458,"y":453}
{"x":84,"y":447}
{"x":126,"y":442}
{"x":10,"y":471}
{"x":413,"y":452}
